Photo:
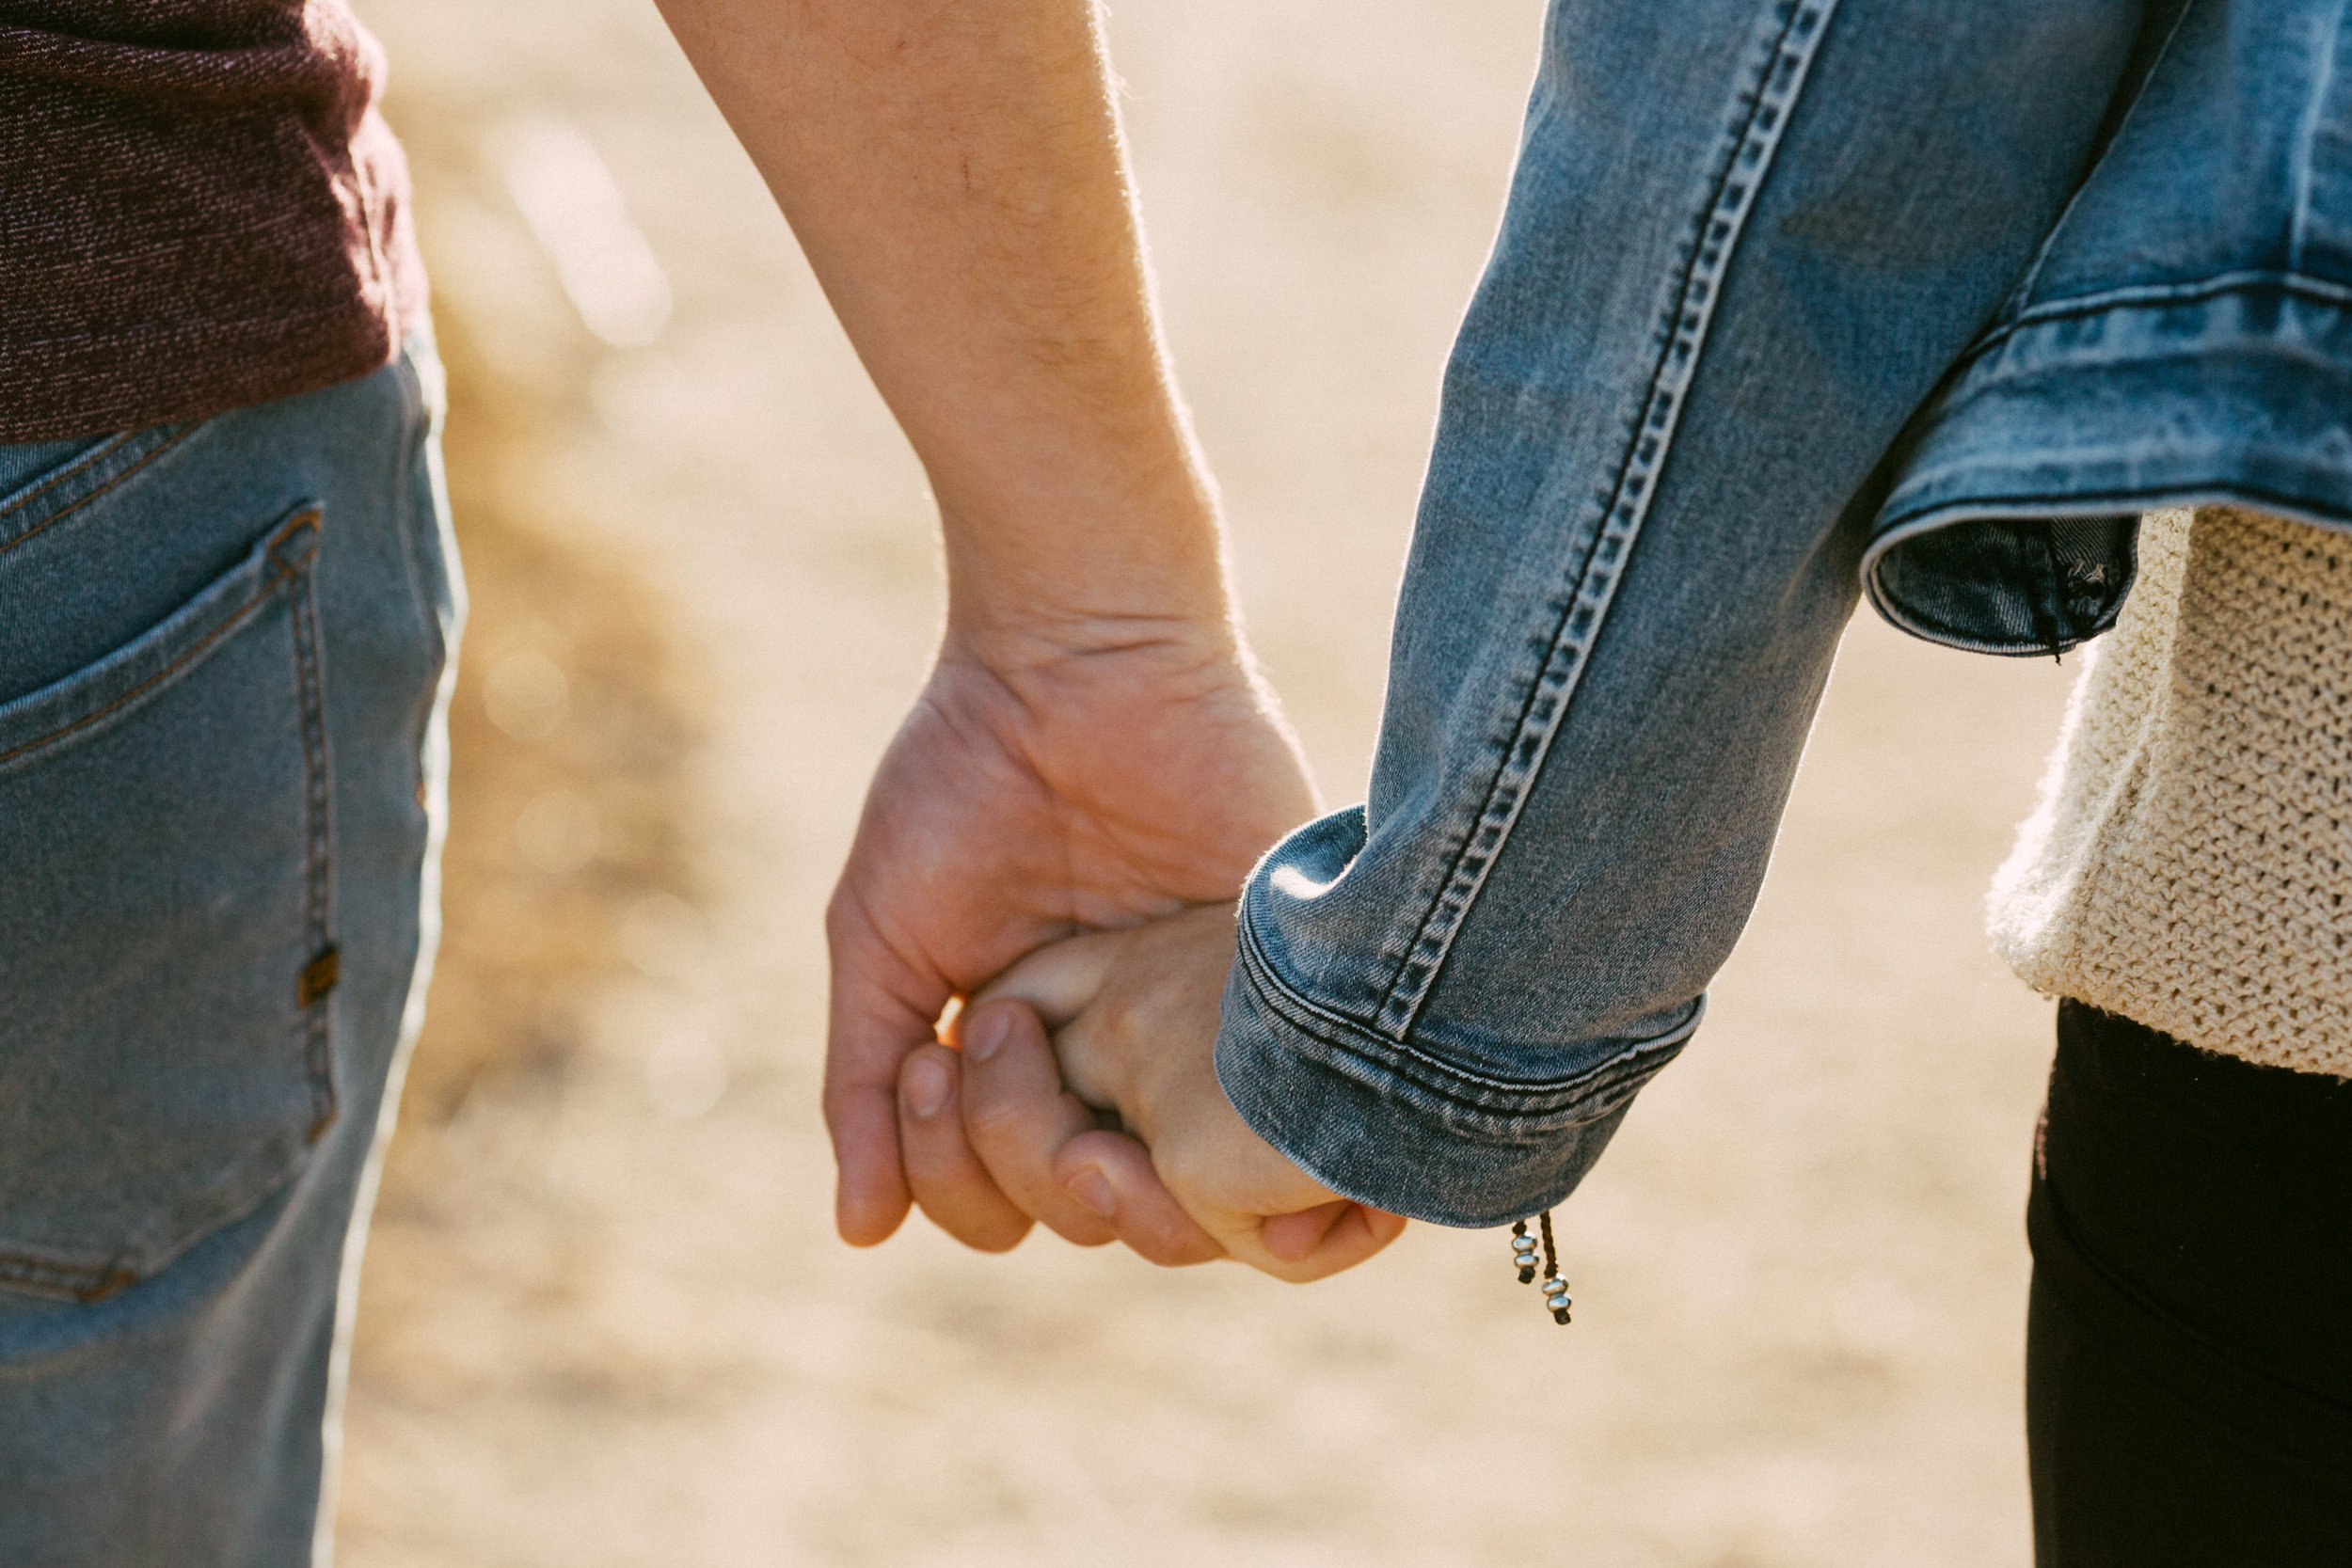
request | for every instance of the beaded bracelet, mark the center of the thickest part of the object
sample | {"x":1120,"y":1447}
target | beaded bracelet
{"x":1523,"y":1255}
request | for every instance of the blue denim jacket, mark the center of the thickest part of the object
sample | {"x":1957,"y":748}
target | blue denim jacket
{"x":1793,"y":299}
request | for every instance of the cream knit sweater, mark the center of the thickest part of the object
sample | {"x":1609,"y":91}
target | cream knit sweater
{"x":2188,"y":862}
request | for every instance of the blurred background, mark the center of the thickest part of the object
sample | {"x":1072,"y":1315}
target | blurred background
{"x":606,"y":1321}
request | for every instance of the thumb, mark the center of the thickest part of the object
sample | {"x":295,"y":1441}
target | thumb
{"x":1059,"y":979}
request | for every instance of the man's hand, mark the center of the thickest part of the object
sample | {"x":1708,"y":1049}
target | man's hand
{"x":1091,"y":748}
{"x":1134,"y":1014}
{"x":1033,"y":792}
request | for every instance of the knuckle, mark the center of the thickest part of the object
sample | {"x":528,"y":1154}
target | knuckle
{"x":842,"y":915}
{"x":1001,"y":1237}
{"x":937,"y":1169}
{"x":1185,"y":1252}
{"x":1086,"y":1231}
{"x":1171,"y":1241}
{"x":990,"y":1118}
{"x":978,"y":1218}
{"x":1166,"y":1252}
{"x":842,"y":1102}
{"x":939,"y":1157}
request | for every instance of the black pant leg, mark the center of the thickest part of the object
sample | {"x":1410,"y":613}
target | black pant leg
{"x":2190,"y":1340}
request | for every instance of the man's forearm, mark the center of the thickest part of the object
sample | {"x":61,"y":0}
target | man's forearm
{"x":955,"y":174}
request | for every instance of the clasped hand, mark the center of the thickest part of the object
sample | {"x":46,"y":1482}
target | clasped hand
{"x":1010,"y":1129}
{"x":1057,"y":833}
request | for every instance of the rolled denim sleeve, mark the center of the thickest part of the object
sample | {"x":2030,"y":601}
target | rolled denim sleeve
{"x":1746,"y":239}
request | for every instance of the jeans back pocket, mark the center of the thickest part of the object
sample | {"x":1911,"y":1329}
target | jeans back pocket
{"x":165,"y":956}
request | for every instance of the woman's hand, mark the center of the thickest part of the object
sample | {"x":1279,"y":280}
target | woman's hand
{"x":1009,"y":1131}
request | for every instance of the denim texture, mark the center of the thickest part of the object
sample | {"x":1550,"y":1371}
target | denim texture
{"x":2183,"y":337}
{"x":223,"y":659}
{"x":1787,"y":292}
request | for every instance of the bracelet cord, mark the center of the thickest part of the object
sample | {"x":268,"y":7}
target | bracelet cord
{"x":1523,"y":1255}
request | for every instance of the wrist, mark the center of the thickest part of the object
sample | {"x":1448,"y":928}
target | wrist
{"x":1114,"y":579}
{"x":1050,"y":656}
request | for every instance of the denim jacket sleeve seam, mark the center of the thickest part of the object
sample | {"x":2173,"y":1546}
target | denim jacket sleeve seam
{"x":2157,"y":296}
{"x":1745,"y":159}
{"x":1497,"y":1104}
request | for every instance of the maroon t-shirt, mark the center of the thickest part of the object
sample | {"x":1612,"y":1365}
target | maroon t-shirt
{"x":200,"y":209}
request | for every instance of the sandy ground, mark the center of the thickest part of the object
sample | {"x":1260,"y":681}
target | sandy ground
{"x":606,"y":1321}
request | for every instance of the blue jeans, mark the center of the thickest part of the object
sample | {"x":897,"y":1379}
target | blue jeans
{"x":224,"y":665}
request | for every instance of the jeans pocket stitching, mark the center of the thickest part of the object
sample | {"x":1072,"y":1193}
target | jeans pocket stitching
{"x":189,"y":656}
{"x":317,"y":980}
{"x":170,"y":439}
{"x":292,"y":548}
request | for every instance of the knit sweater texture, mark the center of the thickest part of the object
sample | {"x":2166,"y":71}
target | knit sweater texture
{"x":2186,"y":866}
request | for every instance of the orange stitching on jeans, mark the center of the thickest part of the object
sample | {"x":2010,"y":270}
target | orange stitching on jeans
{"x":84,"y":1283}
{"x":310,"y":700}
{"x":175,"y":438}
{"x":237,"y":617}
{"x":88,"y":1283}
{"x":96,"y":455}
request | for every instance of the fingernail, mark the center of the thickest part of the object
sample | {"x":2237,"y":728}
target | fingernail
{"x":925,"y":1087}
{"x":982,"y":1039}
{"x":1088,"y":1188}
